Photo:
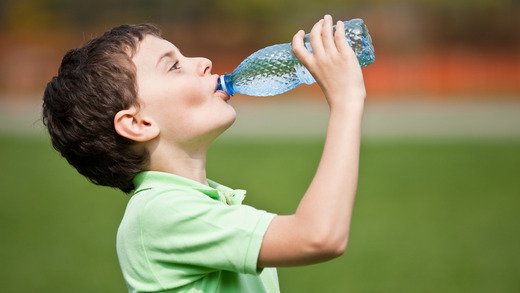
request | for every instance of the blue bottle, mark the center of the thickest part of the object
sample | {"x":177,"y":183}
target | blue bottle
{"x":275,"y":69}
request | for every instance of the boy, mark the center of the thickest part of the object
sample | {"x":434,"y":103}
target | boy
{"x":128,"y":110}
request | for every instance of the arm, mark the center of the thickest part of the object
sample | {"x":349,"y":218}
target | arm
{"x":318,"y":230}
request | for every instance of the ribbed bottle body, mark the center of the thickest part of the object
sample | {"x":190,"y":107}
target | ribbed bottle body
{"x":275,"y":69}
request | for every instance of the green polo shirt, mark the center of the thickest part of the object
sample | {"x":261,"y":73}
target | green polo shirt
{"x":179,"y":235}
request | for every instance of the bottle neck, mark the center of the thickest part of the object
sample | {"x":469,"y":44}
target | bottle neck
{"x":224,"y":84}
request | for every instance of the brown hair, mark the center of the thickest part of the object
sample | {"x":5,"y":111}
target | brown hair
{"x":95,"y":82}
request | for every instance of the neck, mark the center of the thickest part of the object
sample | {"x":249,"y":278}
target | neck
{"x":183,"y":161}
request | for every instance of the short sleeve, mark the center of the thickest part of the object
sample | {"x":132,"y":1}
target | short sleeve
{"x":189,"y":228}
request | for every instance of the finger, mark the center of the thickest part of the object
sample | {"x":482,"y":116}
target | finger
{"x":299,"y":49}
{"x":328,"y":38}
{"x":315,"y":38}
{"x":340,"y":39}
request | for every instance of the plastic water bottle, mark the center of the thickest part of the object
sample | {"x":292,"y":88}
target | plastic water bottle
{"x":275,"y":69}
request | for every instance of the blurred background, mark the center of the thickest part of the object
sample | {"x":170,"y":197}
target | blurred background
{"x":438,"y":201}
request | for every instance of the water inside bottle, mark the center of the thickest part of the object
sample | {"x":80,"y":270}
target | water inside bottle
{"x":269,"y":71}
{"x":274,"y":69}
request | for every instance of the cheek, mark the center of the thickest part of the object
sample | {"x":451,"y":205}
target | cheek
{"x":160,"y":94}
{"x":189,"y":101}
{"x":190,"y":94}
{"x":189,"y":111}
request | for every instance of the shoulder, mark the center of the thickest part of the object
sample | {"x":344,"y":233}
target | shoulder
{"x":192,"y":207}
{"x":173,"y":199}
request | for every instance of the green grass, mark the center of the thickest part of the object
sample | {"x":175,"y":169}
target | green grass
{"x":429,"y":217}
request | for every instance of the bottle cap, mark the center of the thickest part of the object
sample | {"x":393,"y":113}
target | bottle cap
{"x":223,"y":85}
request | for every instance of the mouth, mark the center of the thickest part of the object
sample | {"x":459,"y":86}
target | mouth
{"x":223,"y":95}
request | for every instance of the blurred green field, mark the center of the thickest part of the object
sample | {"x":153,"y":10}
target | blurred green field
{"x":431,"y":216}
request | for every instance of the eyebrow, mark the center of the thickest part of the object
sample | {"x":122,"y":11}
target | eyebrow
{"x":166,"y":54}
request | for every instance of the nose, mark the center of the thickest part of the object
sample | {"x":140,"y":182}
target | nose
{"x":204,"y":66}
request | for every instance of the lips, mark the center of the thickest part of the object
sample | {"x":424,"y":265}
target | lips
{"x":223,"y":95}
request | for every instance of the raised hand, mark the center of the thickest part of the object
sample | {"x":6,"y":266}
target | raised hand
{"x":332,"y":62}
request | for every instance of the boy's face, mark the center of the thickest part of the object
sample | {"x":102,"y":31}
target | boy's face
{"x":179,"y":93}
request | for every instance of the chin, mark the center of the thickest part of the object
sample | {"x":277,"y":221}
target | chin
{"x":227,"y":123}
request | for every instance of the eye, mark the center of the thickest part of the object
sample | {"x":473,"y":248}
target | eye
{"x":175,"y":66}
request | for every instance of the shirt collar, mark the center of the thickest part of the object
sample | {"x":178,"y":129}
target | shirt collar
{"x":155,"y":179}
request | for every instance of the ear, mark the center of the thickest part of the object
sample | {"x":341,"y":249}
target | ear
{"x":130,"y":124}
